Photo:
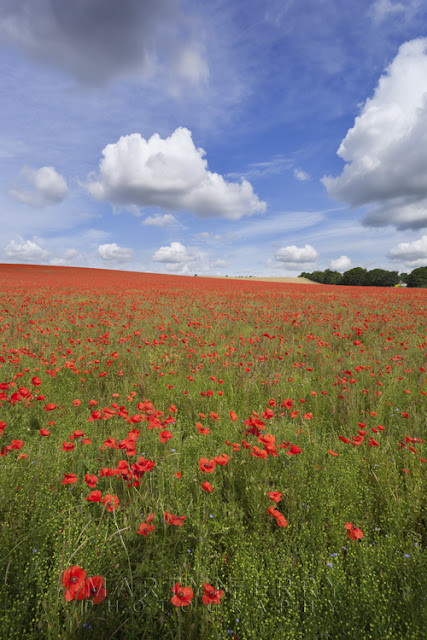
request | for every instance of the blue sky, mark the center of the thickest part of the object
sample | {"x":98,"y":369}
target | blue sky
{"x":238,"y":138}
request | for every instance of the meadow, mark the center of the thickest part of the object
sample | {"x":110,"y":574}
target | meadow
{"x":193,"y":458}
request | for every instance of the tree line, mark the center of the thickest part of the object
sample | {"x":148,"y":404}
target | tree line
{"x":360,"y":277}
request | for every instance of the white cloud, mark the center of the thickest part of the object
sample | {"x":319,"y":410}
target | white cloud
{"x":299,"y":174}
{"x":25,"y":251}
{"x":170,"y":173}
{"x":381,"y":9}
{"x":174,"y":253}
{"x":165,"y":220}
{"x":386,"y":149}
{"x":412,"y":254}
{"x":218,"y":264}
{"x":49,"y":187}
{"x":340,"y":264}
{"x":294,"y":257}
{"x":114,"y":253}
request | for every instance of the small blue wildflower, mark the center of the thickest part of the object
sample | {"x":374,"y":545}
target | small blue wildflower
{"x":329,"y":564}
{"x":334,"y":555}
{"x":407,"y":555}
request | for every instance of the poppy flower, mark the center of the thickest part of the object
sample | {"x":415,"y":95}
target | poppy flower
{"x":67,"y":446}
{"x":178,"y":521}
{"x":73,"y":580}
{"x":145,"y":528}
{"x":207,"y":487}
{"x":203,"y":430}
{"x":36,"y":381}
{"x":111,"y":501}
{"x":294,"y":450}
{"x":211,"y":595}
{"x":353,"y":532}
{"x":182,"y":597}
{"x":95,"y":496}
{"x":95,"y":588}
{"x":50,"y":407}
{"x":44,"y":432}
{"x":177,"y":474}
{"x":233,"y":416}
{"x":274,"y":495}
{"x":165,"y":436}
{"x":69,"y":478}
{"x":207,"y":466}
{"x":332,"y":452}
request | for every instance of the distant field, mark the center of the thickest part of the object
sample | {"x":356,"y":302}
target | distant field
{"x":267,"y":279}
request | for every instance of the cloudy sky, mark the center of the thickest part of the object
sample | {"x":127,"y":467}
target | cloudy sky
{"x":238,"y":137}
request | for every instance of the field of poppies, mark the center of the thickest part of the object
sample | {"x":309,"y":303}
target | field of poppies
{"x":190,"y":458}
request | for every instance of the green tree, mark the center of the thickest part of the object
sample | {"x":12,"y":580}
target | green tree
{"x":380,"y":278}
{"x":331,"y":277}
{"x":354,"y":277}
{"x":418,"y":278}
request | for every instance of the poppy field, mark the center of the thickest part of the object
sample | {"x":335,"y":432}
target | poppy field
{"x":198,"y":458}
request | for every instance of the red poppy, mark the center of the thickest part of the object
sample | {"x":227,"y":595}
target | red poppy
{"x":353,"y":532}
{"x":50,"y":407}
{"x":69,"y":478}
{"x":44,"y":432}
{"x":274,"y":495}
{"x":177,"y":474}
{"x":294,"y":450}
{"x":91,"y":480}
{"x":222,"y":459}
{"x":203,"y":430}
{"x":36,"y":381}
{"x":111,"y":501}
{"x":332,"y":453}
{"x":182,"y":597}
{"x":207,"y":487}
{"x":95,"y":587}
{"x":233,"y":416}
{"x":95,"y":496}
{"x":145,"y":528}
{"x":178,"y":521}
{"x":207,"y":466}
{"x":67,"y":446}
{"x":165,"y":436}
{"x":73,"y":581}
{"x":211,"y":595}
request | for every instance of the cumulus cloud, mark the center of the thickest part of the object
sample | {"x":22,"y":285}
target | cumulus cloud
{"x":412,"y":254}
{"x":24,"y":251}
{"x":48,"y":187}
{"x":165,"y":220}
{"x":98,"y":40}
{"x":295,"y":257}
{"x":386,"y":149}
{"x":113,"y":253}
{"x":170,"y":173}
{"x":340,"y":264}
{"x":173,"y":254}
{"x":299,"y":174}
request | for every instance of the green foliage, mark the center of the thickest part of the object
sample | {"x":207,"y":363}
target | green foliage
{"x":381,"y":278}
{"x":418,"y":278}
{"x":354,"y":277}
